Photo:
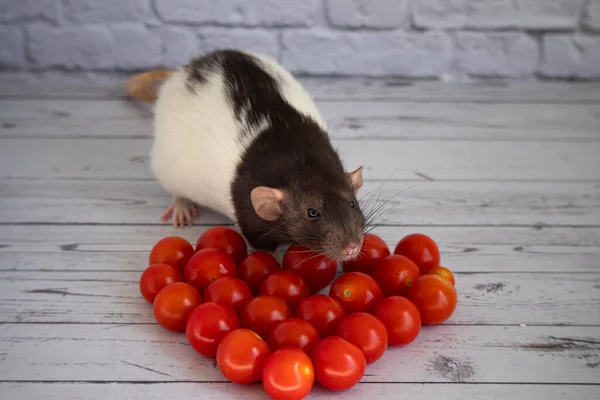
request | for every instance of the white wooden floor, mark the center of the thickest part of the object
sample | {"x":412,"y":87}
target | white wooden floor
{"x":506,"y":178}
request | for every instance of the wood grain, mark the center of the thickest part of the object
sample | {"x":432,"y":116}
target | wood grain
{"x":355,"y":120}
{"x":363,"y":391}
{"x":113,"y":297}
{"x":439,"y":354}
{"x":86,"y":85}
{"x":463,"y":249}
{"x":415,"y":203}
{"x":128,"y":158}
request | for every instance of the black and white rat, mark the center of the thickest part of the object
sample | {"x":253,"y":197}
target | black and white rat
{"x":237,"y":133}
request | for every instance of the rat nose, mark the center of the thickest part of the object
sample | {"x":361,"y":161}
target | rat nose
{"x":351,"y":249}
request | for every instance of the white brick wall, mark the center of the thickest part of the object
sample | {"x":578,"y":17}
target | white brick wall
{"x":410,"y":38}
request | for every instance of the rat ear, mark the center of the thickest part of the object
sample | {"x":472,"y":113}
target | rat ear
{"x":267,"y":202}
{"x":356,"y":178}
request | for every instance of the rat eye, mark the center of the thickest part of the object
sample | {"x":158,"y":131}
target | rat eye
{"x":353,"y":203}
{"x":312,"y":213}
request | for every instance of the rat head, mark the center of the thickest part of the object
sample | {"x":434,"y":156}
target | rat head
{"x":317,"y":214}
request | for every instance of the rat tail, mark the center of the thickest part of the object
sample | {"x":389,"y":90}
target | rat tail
{"x":141,"y":86}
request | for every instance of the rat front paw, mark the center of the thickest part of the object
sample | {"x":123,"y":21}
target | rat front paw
{"x":181,"y":211}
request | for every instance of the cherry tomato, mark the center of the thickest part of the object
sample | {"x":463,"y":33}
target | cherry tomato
{"x":286,"y":285}
{"x":263,"y":313}
{"x":208,"y":324}
{"x":288,"y":374}
{"x":226,"y":240}
{"x":208,"y":265}
{"x":401,"y":319}
{"x":240,"y":356}
{"x":174,"y":304}
{"x":356,"y":292}
{"x":435,"y":298}
{"x":372,"y":250}
{"x":443,"y":272}
{"x":172,"y":250}
{"x":156,"y":277}
{"x":322,"y":311}
{"x":294,"y":332}
{"x":421,"y":249}
{"x":317,"y":270}
{"x":231,"y":291}
{"x":365,"y":332}
{"x":338,"y":364}
{"x":256,"y":267}
{"x":395,"y":274}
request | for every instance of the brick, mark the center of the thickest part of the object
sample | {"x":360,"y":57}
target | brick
{"x":93,"y":11}
{"x":260,"y":41}
{"x":498,"y":14}
{"x":496,"y":54}
{"x":571,"y":56}
{"x":368,"y":14}
{"x":591,"y":18}
{"x":86,"y":47}
{"x":28,"y":10}
{"x":135,"y":47}
{"x":179,"y":45}
{"x":12,"y":47}
{"x":299,"y":13}
{"x":366,"y":53}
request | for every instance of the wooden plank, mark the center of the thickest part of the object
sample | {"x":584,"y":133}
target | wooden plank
{"x":422,"y":203}
{"x":439,"y":354}
{"x":88,"y":85}
{"x":220,"y":390}
{"x":97,"y":158}
{"x":113,"y":297}
{"x":463,"y":249}
{"x":356,"y":120}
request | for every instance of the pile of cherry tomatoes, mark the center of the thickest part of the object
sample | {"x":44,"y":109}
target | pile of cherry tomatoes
{"x":266,"y":322}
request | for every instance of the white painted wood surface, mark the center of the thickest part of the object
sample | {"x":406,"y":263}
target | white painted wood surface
{"x":485,"y":298}
{"x":465,"y":249}
{"x":412,"y":203}
{"x":505,"y":177}
{"x":363,"y":391}
{"x":396,"y":159}
{"x":347,"y":120}
{"x":143,"y":353}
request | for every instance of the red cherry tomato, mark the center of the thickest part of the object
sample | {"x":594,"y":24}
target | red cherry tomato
{"x":365,"y":332}
{"x":286,"y":285}
{"x":256,"y":267}
{"x":356,"y":292}
{"x":322,"y":311}
{"x":208,"y":265}
{"x":226,"y":240}
{"x":174,"y":304}
{"x":395,"y":274}
{"x":421,"y":249}
{"x":155,"y":278}
{"x":172,"y":250}
{"x":207,"y":326}
{"x":443,"y":272}
{"x":240,"y":356}
{"x":338,"y":364}
{"x":401,"y":319}
{"x":435,"y":297}
{"x":263,"y":313}
{"x":231,"y":291}
{"x":372,"y":250}
{"x":288,"y":374}
{"x":294,"y":332}
{"x":317,"y":270}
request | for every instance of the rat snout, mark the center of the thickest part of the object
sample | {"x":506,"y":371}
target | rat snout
{"x":351,"y":249}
